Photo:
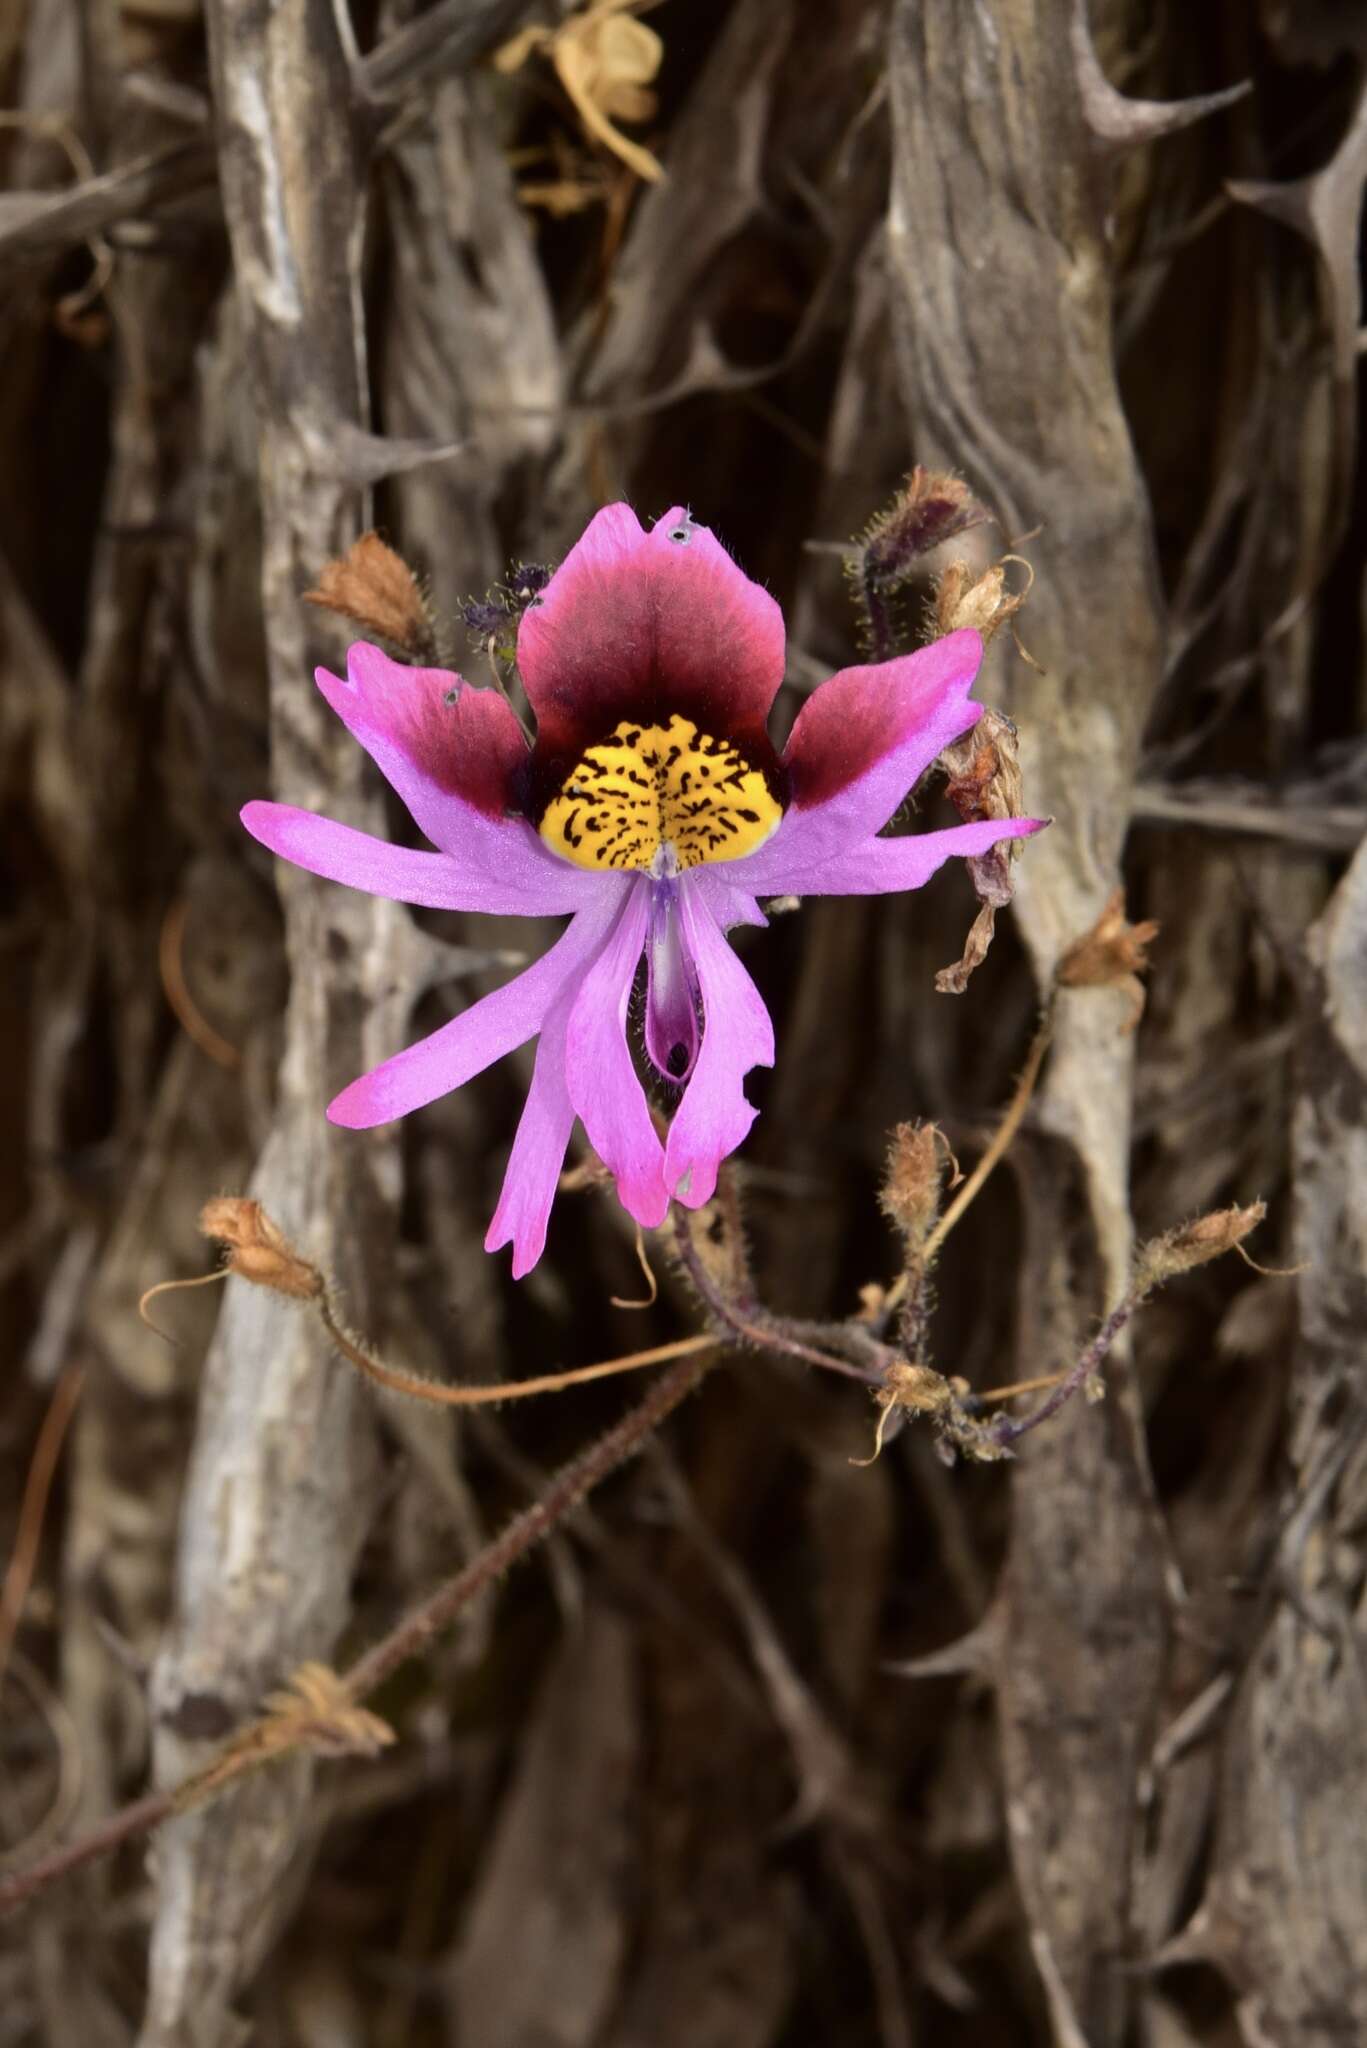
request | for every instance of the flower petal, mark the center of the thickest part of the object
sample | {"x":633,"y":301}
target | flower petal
{"x":495,"y":1025}
{"x":447,"y":749}
{"x":538,"y":1154}
{"x":671,"y":988}
{"x":714,"y":1116}
{"x":860,"y":742}
{"x":602,"y":1081}
{"x":728,"y":904}
{"x":500,"y":868}
{"x":882,"y":866}
{"x":633,"y":624}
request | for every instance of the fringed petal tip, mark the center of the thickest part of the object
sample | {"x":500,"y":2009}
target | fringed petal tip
{"x":714,"y":1118}
{"x":527,"y":1239}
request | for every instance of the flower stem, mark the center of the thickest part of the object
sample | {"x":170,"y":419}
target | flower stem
{"x":752,"y":1322}
{"x":1008,"y":1429}
{"x":441,"y":1394}
{"x":37,"y":1486}
{"x":569,"y":1486}
{"x":412,"y":1635}
{"x":1000,"y":1142}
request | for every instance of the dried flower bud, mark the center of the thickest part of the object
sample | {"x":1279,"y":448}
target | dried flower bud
{"x":258,"y":1249}
{"x":912,"y":1185}
{"x":1193,"y":1244}
{"x":930,"y":508}
{"x":485,"y":620}
{"x":373,"y":586}
{"x":1113,"y":954}
{"x":495,"y":615}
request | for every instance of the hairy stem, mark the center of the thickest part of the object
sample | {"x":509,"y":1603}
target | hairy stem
{"x":440,"y":1394}
{"x":412,"y":1635}
{"x":1008,"y":1429}
{"x":752,"y":1322}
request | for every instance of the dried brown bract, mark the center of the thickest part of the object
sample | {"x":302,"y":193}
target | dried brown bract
{"x":1113,"y":954}
{"x":377,"y":590}
{"x":258,"y":1249}
{"x":983,"y":770}
{"x":984,"y":781}
{"x":315,"y":1711}
{"x":965,"y":596}
{"x":606,"y":60}
{"x":316,"y":1708}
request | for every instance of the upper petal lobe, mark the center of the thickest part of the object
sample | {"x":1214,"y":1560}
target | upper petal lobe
{"x":447,"y":749}
{"x":859,"y":744}
{"x":633,"y":624}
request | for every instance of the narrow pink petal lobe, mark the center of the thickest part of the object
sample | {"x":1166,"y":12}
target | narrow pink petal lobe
{"x":882,"y":867}
{"x":501,"y":868}
{"x":714,"y":1116}
{"x":496,"y":1025}
{"x":728,"y":904}
{"x":538,"y":1154}
{"x":447,"y":748}
{"x":599,"y":1073}
{"x":636,"y":624}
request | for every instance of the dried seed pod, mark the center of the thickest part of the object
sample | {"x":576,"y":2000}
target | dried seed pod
{"x":913,"y":1182}
{"x":1194,"y":1244}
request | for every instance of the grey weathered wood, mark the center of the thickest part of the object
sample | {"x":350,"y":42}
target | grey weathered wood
{"x":1285,"y":1913}
{"x":1002,"y":310}
{"x":281,"y":1482}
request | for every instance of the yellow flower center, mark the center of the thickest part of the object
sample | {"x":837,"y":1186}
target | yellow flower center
{"x":646,"y":788}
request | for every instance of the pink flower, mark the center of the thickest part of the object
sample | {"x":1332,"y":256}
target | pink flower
{"x":653,"y":811}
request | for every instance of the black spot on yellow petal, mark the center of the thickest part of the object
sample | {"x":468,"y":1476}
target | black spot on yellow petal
{"x":646,"y":786}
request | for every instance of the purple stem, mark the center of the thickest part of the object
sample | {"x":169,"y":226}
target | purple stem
{"x":1008,"y":1429}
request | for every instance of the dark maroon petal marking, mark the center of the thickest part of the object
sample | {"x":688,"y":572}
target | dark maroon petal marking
{"x":432,"y":735}
{"x":636,"y":625}
{"x":862,"y":715}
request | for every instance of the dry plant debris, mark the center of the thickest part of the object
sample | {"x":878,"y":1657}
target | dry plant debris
{"x":771,"y":1741}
